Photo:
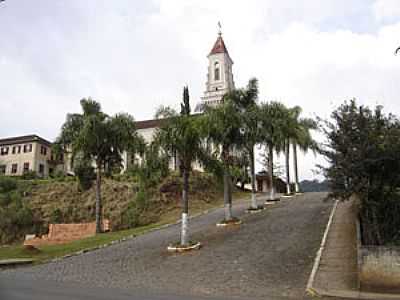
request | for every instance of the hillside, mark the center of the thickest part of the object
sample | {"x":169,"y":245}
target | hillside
{"x":53,"y":201}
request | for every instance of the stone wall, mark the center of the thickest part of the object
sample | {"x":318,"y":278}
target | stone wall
{"x":64,"y":233}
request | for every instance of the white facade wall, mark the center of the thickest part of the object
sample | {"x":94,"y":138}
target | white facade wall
{"x":34,"y":158}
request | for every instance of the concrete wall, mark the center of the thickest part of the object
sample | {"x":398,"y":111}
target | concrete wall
{"x":380,"y":268}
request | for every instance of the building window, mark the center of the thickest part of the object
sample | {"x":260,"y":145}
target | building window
{"x":43,"y":150}
{"x":14,"y":168}
{"x":27,"y":148}
{"x":4,"y":151}
{"x":3,"y":169}
{"x":19,"y":149}
{"x":216,"y":71}
{"x":41,"y":169}
{"x":14,"y":149}
{"x":26,"y":167}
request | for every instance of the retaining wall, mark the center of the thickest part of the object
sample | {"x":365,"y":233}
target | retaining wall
{"x":378,"y":267}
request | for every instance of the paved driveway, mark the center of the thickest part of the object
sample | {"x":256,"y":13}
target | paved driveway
{"x":269,"y":256}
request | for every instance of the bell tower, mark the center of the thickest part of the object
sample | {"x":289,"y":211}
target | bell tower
{"x":219,"y":76}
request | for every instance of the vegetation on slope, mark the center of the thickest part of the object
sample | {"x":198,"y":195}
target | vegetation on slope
{"x":41,"y":202}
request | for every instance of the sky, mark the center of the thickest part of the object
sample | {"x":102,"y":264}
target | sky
{"x":133,"y":56}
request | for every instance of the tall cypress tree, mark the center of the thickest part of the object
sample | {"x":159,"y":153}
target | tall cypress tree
{"x":185,"y":106}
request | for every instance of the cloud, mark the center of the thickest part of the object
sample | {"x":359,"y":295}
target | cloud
{"x":386,"y":10}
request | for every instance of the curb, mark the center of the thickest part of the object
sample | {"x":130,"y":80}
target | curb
{"x":309,"y":288}
{"x":347,"y":294}
{"x":16,"y":262}
{"x":352,"y":294}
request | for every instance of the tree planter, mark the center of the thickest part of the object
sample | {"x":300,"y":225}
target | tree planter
{"x":272,"y":201}
{"x":232,"y":222}
{"x":288,"y":195}
{"x":252,"y":210}
{"x":184,"y":248}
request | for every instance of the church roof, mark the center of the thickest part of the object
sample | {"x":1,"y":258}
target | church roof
{"x":219,"y":46}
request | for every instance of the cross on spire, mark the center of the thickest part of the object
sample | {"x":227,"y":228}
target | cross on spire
{"x":219,"y":28}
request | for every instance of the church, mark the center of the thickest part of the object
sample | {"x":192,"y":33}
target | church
{"x":219,"y":82}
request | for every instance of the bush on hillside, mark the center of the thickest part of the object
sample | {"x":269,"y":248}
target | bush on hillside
{"x":85,"y":174}
{"x":29,"y":175}
{"x":16,"y":217}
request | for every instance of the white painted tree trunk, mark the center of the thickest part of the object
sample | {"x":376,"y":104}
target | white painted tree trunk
{"x":253,"y":180}
{"x":185,"y":208}
{"x":253,"y":201}
{"x":227,"y":196}
{"x":296,"y":174}
{"x":287,"y":157}
{"x":272,"y":193}
{"x":99,"y":208}
{"x":271,"y":172}
{"x":185,"y":229}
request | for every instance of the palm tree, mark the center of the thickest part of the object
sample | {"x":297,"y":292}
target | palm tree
{"x":273,"y":119}
{"x":98,"y":138}
{"x":182,"y":134}
{"x":246,"y":101}
{"x":302,"y":138}
{"x":222,"y":125}
{"x":290,"y":130}
{"x":297,"y":133}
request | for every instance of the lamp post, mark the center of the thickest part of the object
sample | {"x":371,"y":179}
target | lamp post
{"x":397,"y":51}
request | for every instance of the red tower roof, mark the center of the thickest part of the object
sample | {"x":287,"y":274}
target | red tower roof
{"x":219,"y":46}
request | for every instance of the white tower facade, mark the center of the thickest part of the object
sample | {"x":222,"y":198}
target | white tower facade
{"x":219,"y":76}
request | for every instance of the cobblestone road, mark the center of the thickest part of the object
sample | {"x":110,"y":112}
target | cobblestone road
{"x":269,"y":256}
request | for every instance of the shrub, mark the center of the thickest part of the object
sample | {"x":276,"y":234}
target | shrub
{"x":130,"y":217}
{"x":58,"y":175}
{"x":29,"y":175}
{"x":85,"y":174}
{"x":16,"y":218}
{"x":7,"y":184}
{"x":56,"y":216}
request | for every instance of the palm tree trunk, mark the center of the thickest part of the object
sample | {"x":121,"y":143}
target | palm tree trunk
{"x":227,"y":186}
{"x":287,"y":154}
{"x":253,"y":179}
{"x":296,"y":176}
{"x":227,"y":196}
{"x":271,"y":172}
{"x":185,"y":208}
{"x":99,"y":217}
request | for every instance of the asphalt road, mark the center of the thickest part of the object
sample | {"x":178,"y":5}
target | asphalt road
{"x":269,"y":256}
{"x":28,"y":289}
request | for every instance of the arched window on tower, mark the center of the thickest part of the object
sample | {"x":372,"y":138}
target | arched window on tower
{"x":216,"y":71}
